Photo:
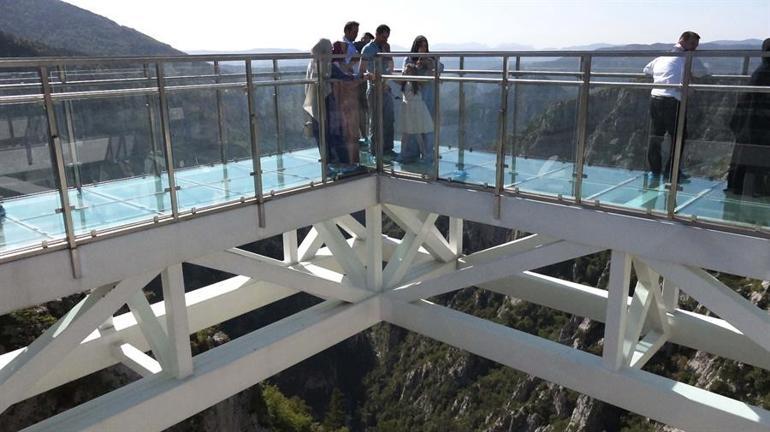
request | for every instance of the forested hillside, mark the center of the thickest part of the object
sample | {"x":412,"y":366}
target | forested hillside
{"x":60,"y":25}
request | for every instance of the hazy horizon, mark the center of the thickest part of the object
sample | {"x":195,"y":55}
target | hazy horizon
{"x":234,"y":26}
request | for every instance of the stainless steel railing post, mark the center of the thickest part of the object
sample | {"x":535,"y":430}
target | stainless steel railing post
{"x":461,"y":119}
{"x":153,"y":126}
{"x":321,"y":117}
{"x":378,"y":119}
{"x":501,"y":139}
{"x":255,"y":150}
{"x":277,"y":113}
{"x":59,"y":171}
{"x":437,"y":116}
{"x":70,"y":124}
{"x":582,"y":125}
{"x":221,"y":130}
{"x":165,"y":127}
{"x":681,"y":121}
{"x":515,"y":120}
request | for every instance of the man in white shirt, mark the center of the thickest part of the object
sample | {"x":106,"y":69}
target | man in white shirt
{"x":664,"y":103}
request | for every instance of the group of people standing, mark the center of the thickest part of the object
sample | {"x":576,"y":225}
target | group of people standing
{"x":349,"y":101}
{"x":348,"y":67}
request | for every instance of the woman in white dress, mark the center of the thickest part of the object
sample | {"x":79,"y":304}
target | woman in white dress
{"x":415,"y":119}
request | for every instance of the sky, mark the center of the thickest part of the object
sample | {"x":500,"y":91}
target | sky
{"x":230,"y":25}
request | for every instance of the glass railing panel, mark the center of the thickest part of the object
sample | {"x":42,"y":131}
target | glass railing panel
{"x":477,"y":67}
{"x":29,"y":201}
{"x":559,"y":65}
{"x":619,"y":136}
{"x":297,"y":161}
{"x":20,"y":82}
{"x":209,"y":135}
{"x":726,"y":158}
{"x":114,"y":156}
{"x":289,"y":154}
{"x":100,"y":77}
{"x":725,"y":69}
{"x":291,"y":69}
{"x":470,"y":121}
{"x":608,"y":67}
{"x":189,"y":73}
{"x":391,"y":127}
{"x":412,"y":125}
{"x":262,"y":70}
{"x":541,"y":139}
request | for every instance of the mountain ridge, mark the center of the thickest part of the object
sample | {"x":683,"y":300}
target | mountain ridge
{"x":60,"y":25}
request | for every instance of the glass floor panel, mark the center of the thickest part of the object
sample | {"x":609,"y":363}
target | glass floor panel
{"x":14,"y":235}
{"x":32,"y":219}
{"x":474,"y":174}
{"x":290,"y":160}
{"x":719,"y":205}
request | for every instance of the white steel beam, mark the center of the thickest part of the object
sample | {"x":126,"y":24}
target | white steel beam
{"x":646,"y":348}
{"x":219,"y":372}
{"x":296,"y":277}
{"x":720,"y":299}
{"x":374,"y":248}
{"x":351,"y":226}
{"x":674,"y":403}
{"x":135,"y":359}
{"x":670,"y":295}
{"x":151,"y":328}
{"x":519,"y":245}
{"x":456,"y":235}
{"x":696,"y":331}
{"x":403,"y":258}
{"x":290,"y":248}
{"x":617,"y":311}
{"x":474,"y":270}
{"x":40,"y":357}
{"x":409,"y":220}
{"x":342,"y":252}
{"x":177,"y":322}
{"x":641,"y":303}
{"x":206,"y":306}
{"x":310,"y":245}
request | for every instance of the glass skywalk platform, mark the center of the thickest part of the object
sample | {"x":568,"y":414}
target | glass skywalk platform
{"x":570,"y":127}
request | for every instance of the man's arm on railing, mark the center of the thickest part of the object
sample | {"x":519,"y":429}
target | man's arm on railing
{"x":648,"y":69}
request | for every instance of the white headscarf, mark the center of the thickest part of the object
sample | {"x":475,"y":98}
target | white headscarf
{"x":321,"y":49}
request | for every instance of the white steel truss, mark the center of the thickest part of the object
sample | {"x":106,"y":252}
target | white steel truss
{"x":365,"y":277}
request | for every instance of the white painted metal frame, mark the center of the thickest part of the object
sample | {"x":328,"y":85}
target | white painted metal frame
{"x":368,"y":278}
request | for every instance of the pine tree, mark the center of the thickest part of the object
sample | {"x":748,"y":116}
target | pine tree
{"x":335,"y":414}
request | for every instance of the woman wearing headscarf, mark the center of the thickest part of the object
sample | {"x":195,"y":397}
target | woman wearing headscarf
{"x":336,"y":153}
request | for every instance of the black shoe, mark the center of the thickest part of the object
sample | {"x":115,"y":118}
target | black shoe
{"x":2,"y":213}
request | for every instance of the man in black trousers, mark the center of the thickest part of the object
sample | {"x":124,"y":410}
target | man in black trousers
{"x":664,"y":103}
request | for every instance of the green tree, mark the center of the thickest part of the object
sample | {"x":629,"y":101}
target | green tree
{"x":335,"y":414}
{"x":286,"y":414}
